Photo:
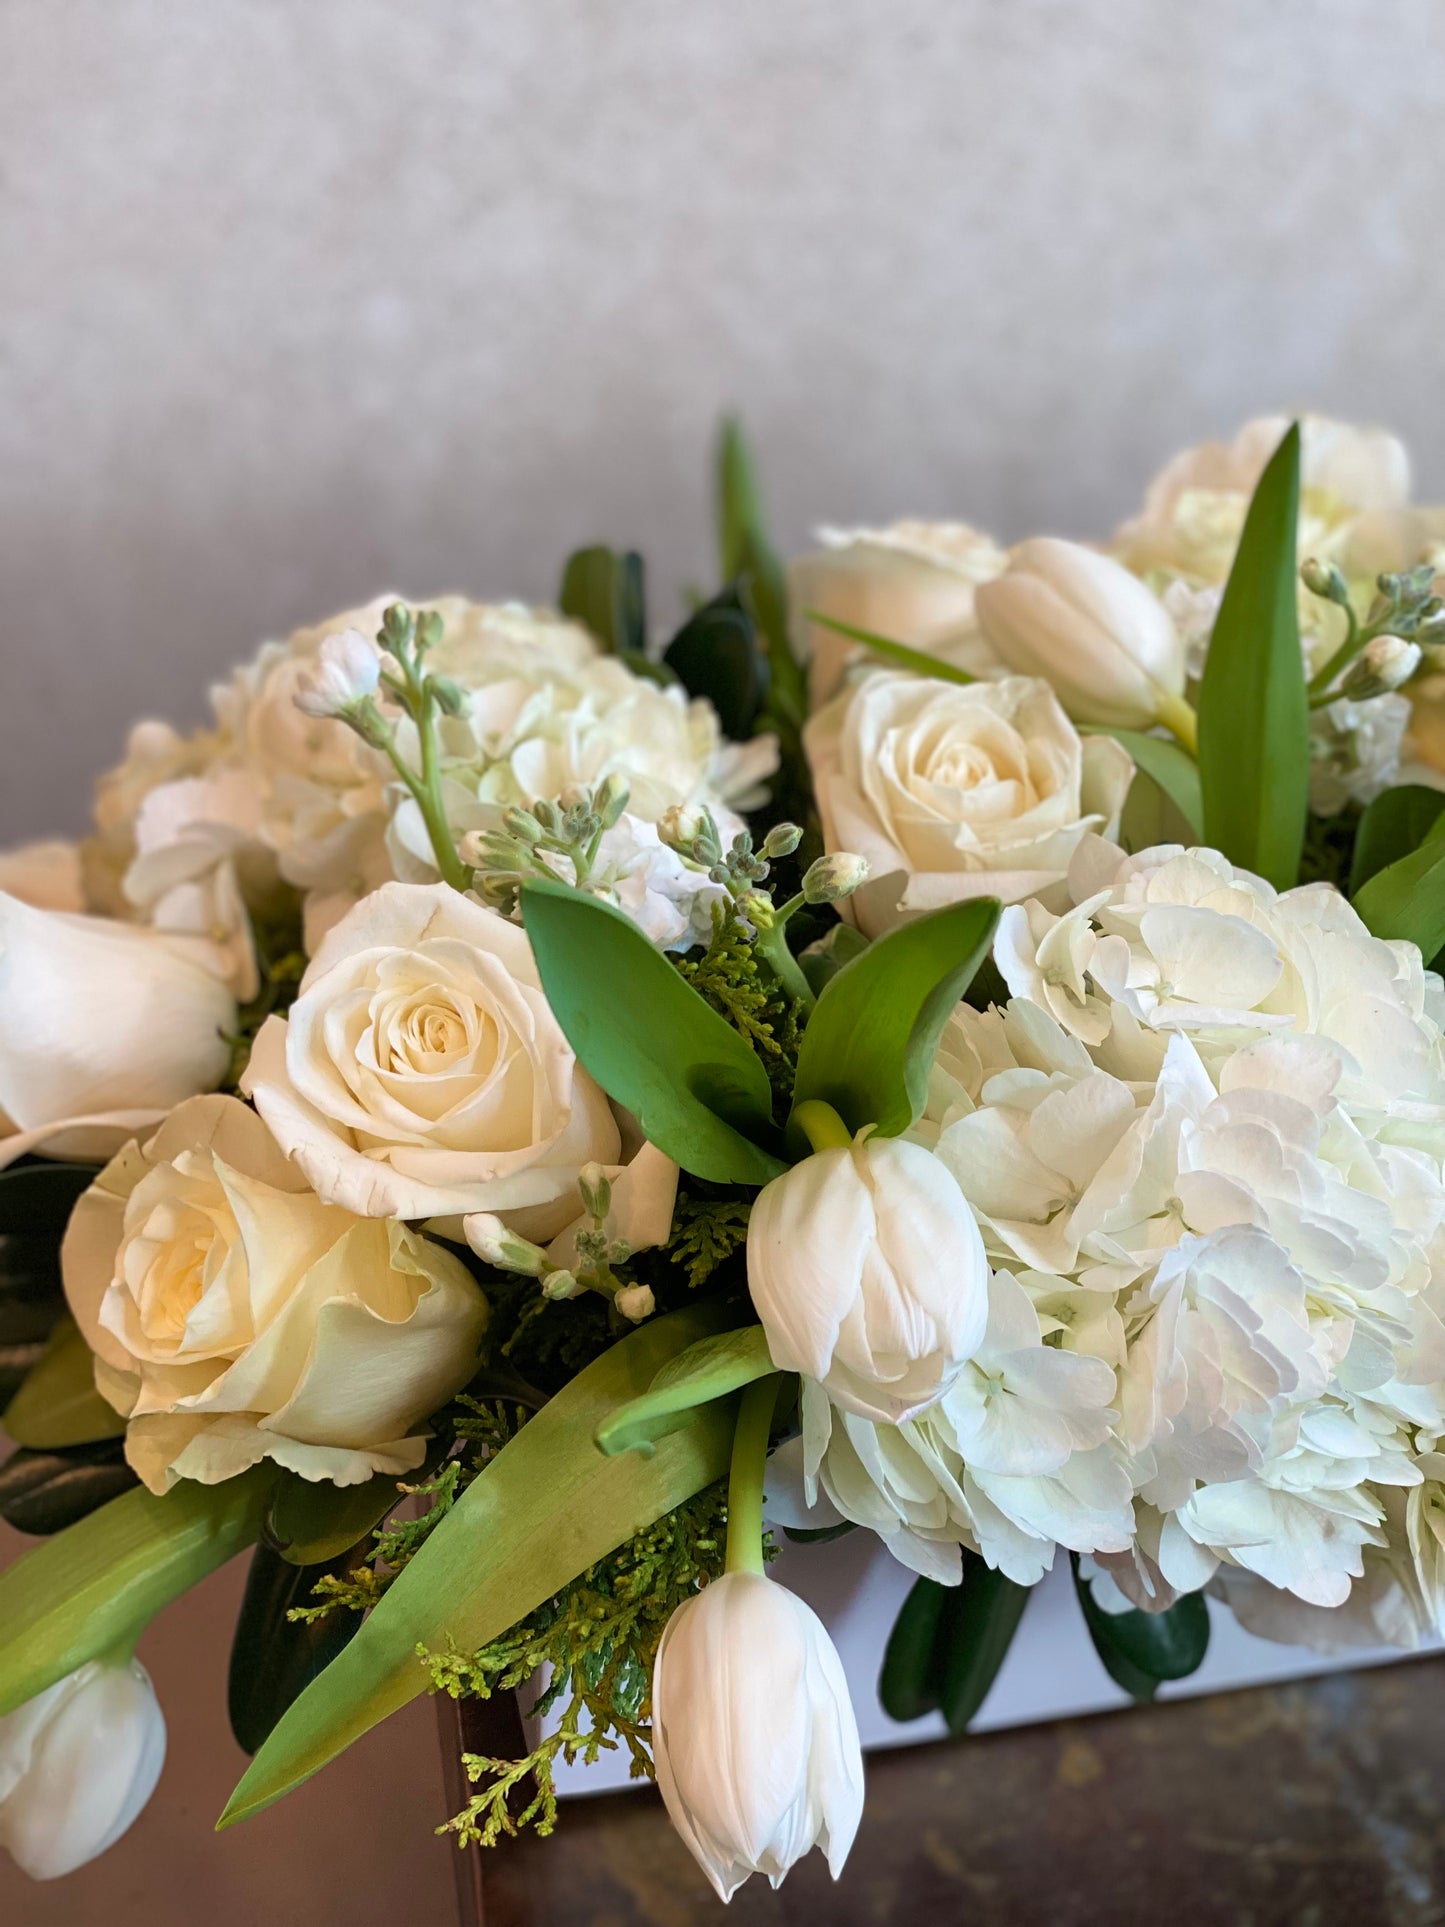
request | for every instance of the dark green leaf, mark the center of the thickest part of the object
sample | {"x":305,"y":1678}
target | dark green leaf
{"x":1406,"y":900}
{"x":948,"y":1643}
{"x":1173,"y":769}
{"x":1140,"y":1650}
{"x":870,"y":1041}
{"x":547,"y":1507}
{"x":748,"y":557}
{"x":900,"y":654}
{"x":1253,"y":707}
{"x":57,"y":1404}
{"x":716,"y":654}
{"x":713,"y":1368}
{"x":274,"y":1659}
{"x":31,"y":1299}
{"x":603,"y":589}
{"x":909,"y":1684}
{"x":43,"y":1492}
{"x":821,"y":961}
{"x":818,"y":1535}
{"x":310,"y":1521}
{"x":17,"y":1362}
{"x":698,"y":1091}
{"x":1394,"y":826}
{"x":38,"y":1196}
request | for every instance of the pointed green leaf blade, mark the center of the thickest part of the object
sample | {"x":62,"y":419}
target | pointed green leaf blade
{"x":1406,"y":900}
{"x":698,"y":1091}
{"x":1253,"y":706}
{"x":900,"y":654}
{"x":909,"y":1683}
{"x":712,"y":1368}
{"x":273,"y":1658}
{"x":1164,"y":763}
{"x":747,"y":555}
{"x":547,"y":1507}
{"x":977,"y":1627}
{"x":1394,"y":826}
{"x":1140,"y":1650}
{"x":871,"y":1039}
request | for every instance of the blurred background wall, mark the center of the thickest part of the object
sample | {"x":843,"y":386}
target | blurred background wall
{"x":301,"y":301}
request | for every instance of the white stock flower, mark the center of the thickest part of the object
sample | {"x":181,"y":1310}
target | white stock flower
{"x":103,"y":1028}
{"x":952,"y":791}
{"x":1104,"y":642}
{"x":867,"y":1271}
{"x":235,"y":1316}
{"x":421,"y":1074}
{"x":1355,"y":750}
{"x":347,"y":670}
{"x":753,"y":1733}
{"x":913,"y":582}
{"x":669,"y":900}
{"x":77,"y":1764}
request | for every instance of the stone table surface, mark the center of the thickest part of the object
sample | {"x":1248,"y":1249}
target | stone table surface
{"x":1305,"y":1804}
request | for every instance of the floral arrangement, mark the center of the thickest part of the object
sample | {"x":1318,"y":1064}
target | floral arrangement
{"x":512,"y":1119}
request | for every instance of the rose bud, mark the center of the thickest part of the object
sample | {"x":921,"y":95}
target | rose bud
{"x":868,"y":1272}
{"x":753,"y":1733}
{"x":1101,"y":637}
{"x":77,"y":1764}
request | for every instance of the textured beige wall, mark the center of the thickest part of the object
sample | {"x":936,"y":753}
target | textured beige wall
{"x":302,"y":298}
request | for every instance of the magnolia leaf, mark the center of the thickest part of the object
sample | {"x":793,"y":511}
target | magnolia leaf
{"x":604,"y":590}
{"x":31,"y":1299}
{"x":99,"y":1583}
{"x":40,"y":1196}
{"x":898,"y":653}
{"x":908,"y":1685}
{"x":710,"y":1369}
{"x":948,"y":1644}
{"x":1140,"y":1650}
{"x":1394,"y":826}
{"x":547,"y":1507}
{"x":58,"y":1404}
{"x":43,"y":1492}
{"x":310,"y":1521}
{"x":870,"y":1042}
{"x":1406,"y":900}
{"x":273,"y":1658}
{"x":1165,"y":763}
{"x":1253,"y":705}
{"x":715,"y":654}
{"x":698,"y":1091}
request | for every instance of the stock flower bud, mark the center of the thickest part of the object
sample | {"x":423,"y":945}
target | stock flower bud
{"x":868,"y":1272}
{"x":753,"y":1733}
{"x":1383,"y":664}
{"x":834,"y":876}
{"x":347,"y":670}
{"x":636,"y":1302}
{"x":77,"y":1764}
{"x":1094,"y":631}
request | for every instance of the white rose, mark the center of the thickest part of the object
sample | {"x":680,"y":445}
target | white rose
{"x":1104,"y":642}
{"x":421,"y":1074}
{"x":913,"y":582}
{"x":103,"y":1028}
{"x":867,"y":1270}
{"x":954,"y":791}
{"x":45,"y":875}
{"x":753,"y":1733}
{"x":77,"y":1764}
{"x":234,"y":1316}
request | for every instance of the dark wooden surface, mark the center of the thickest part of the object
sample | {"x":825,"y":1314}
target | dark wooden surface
{"x":1303,"y":1805}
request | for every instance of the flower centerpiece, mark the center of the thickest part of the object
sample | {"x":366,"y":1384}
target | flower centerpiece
{"x":513,"y":1118}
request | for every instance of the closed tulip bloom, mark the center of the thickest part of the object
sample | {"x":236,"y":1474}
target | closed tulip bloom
{"x":753,"y":1733}
{"x":77,"y":1764}
{"x":868,"y":1272}
{"x":1102,"y":638}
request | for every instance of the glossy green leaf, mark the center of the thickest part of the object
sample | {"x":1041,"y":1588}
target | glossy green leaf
{"x":1394,"y":826}
{"x":1406,"y":900}
{"x":603,"y":589}
{"x":909,"y":1683}
{"x":712,"y":1368}
{"x":39,"y":1197}
{"x":1253,"y":707}
{"x":818,"y":1535}
{"x":549,"y":1505}
{"x":716,"y":654}
{"x":57,"y":1404}
{"x":1165,"y":763}
{"x":948,"y":1644}
{"x":1140,"y":1650}
{"x":871,"y":1039}
{"x":44,"y":1492}
{"x":273,"y":1658}
{"x":899,"y":654}
{"x":18,"y":1360}
{"x":698,"y":1091}
{"x":748,"y":556}
{"x":310,"y":1521}
{"x":101,"y":1581}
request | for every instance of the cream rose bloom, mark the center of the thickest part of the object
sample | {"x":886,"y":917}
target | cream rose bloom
{"x":421,"y":1074}
{"x":45,"y":875}
{"x":234,"y":1316}
{"x":912,"y":582}
{"x":953,"y":791}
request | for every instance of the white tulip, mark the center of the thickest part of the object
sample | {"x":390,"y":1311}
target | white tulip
{"x":753,"y":1733}
{"x":77,"y":1764}
{"x":347,"y":670}
{"x":868,"y":1272}
{"x":1103,"y":640}
{"x":104,"y":1027}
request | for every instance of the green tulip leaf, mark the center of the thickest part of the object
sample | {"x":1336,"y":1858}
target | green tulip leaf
{"x":712,"y":1368}
{"x":1140,"y":1650}
{"x":44,"y":1492}
{"x":273,"y":1658}
{"x":100,"y":1583}
{"x":1406,"y":900}
{"x":870,"y":1042}
{"x":57,"y":1403}
{"x":547,"y":1507}
{"x":1394,"y":826}
{"x":698,"y":1091}
{"x":1253,"y":705}
{"x":1173,"y":769}
{"x":899,"y":654}
{"x":749,"y":558}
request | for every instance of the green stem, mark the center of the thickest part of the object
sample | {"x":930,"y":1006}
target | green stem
{"x":747,"y":1473}
{"x":821,"y":1125}
{"x":772,"y":947}
{"x":1354,"y":642}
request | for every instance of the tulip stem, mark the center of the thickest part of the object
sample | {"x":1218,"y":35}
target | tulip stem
{"x":1179,"y":719}
{"x":821,"y":1125}
{"x":747,"y":1474}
